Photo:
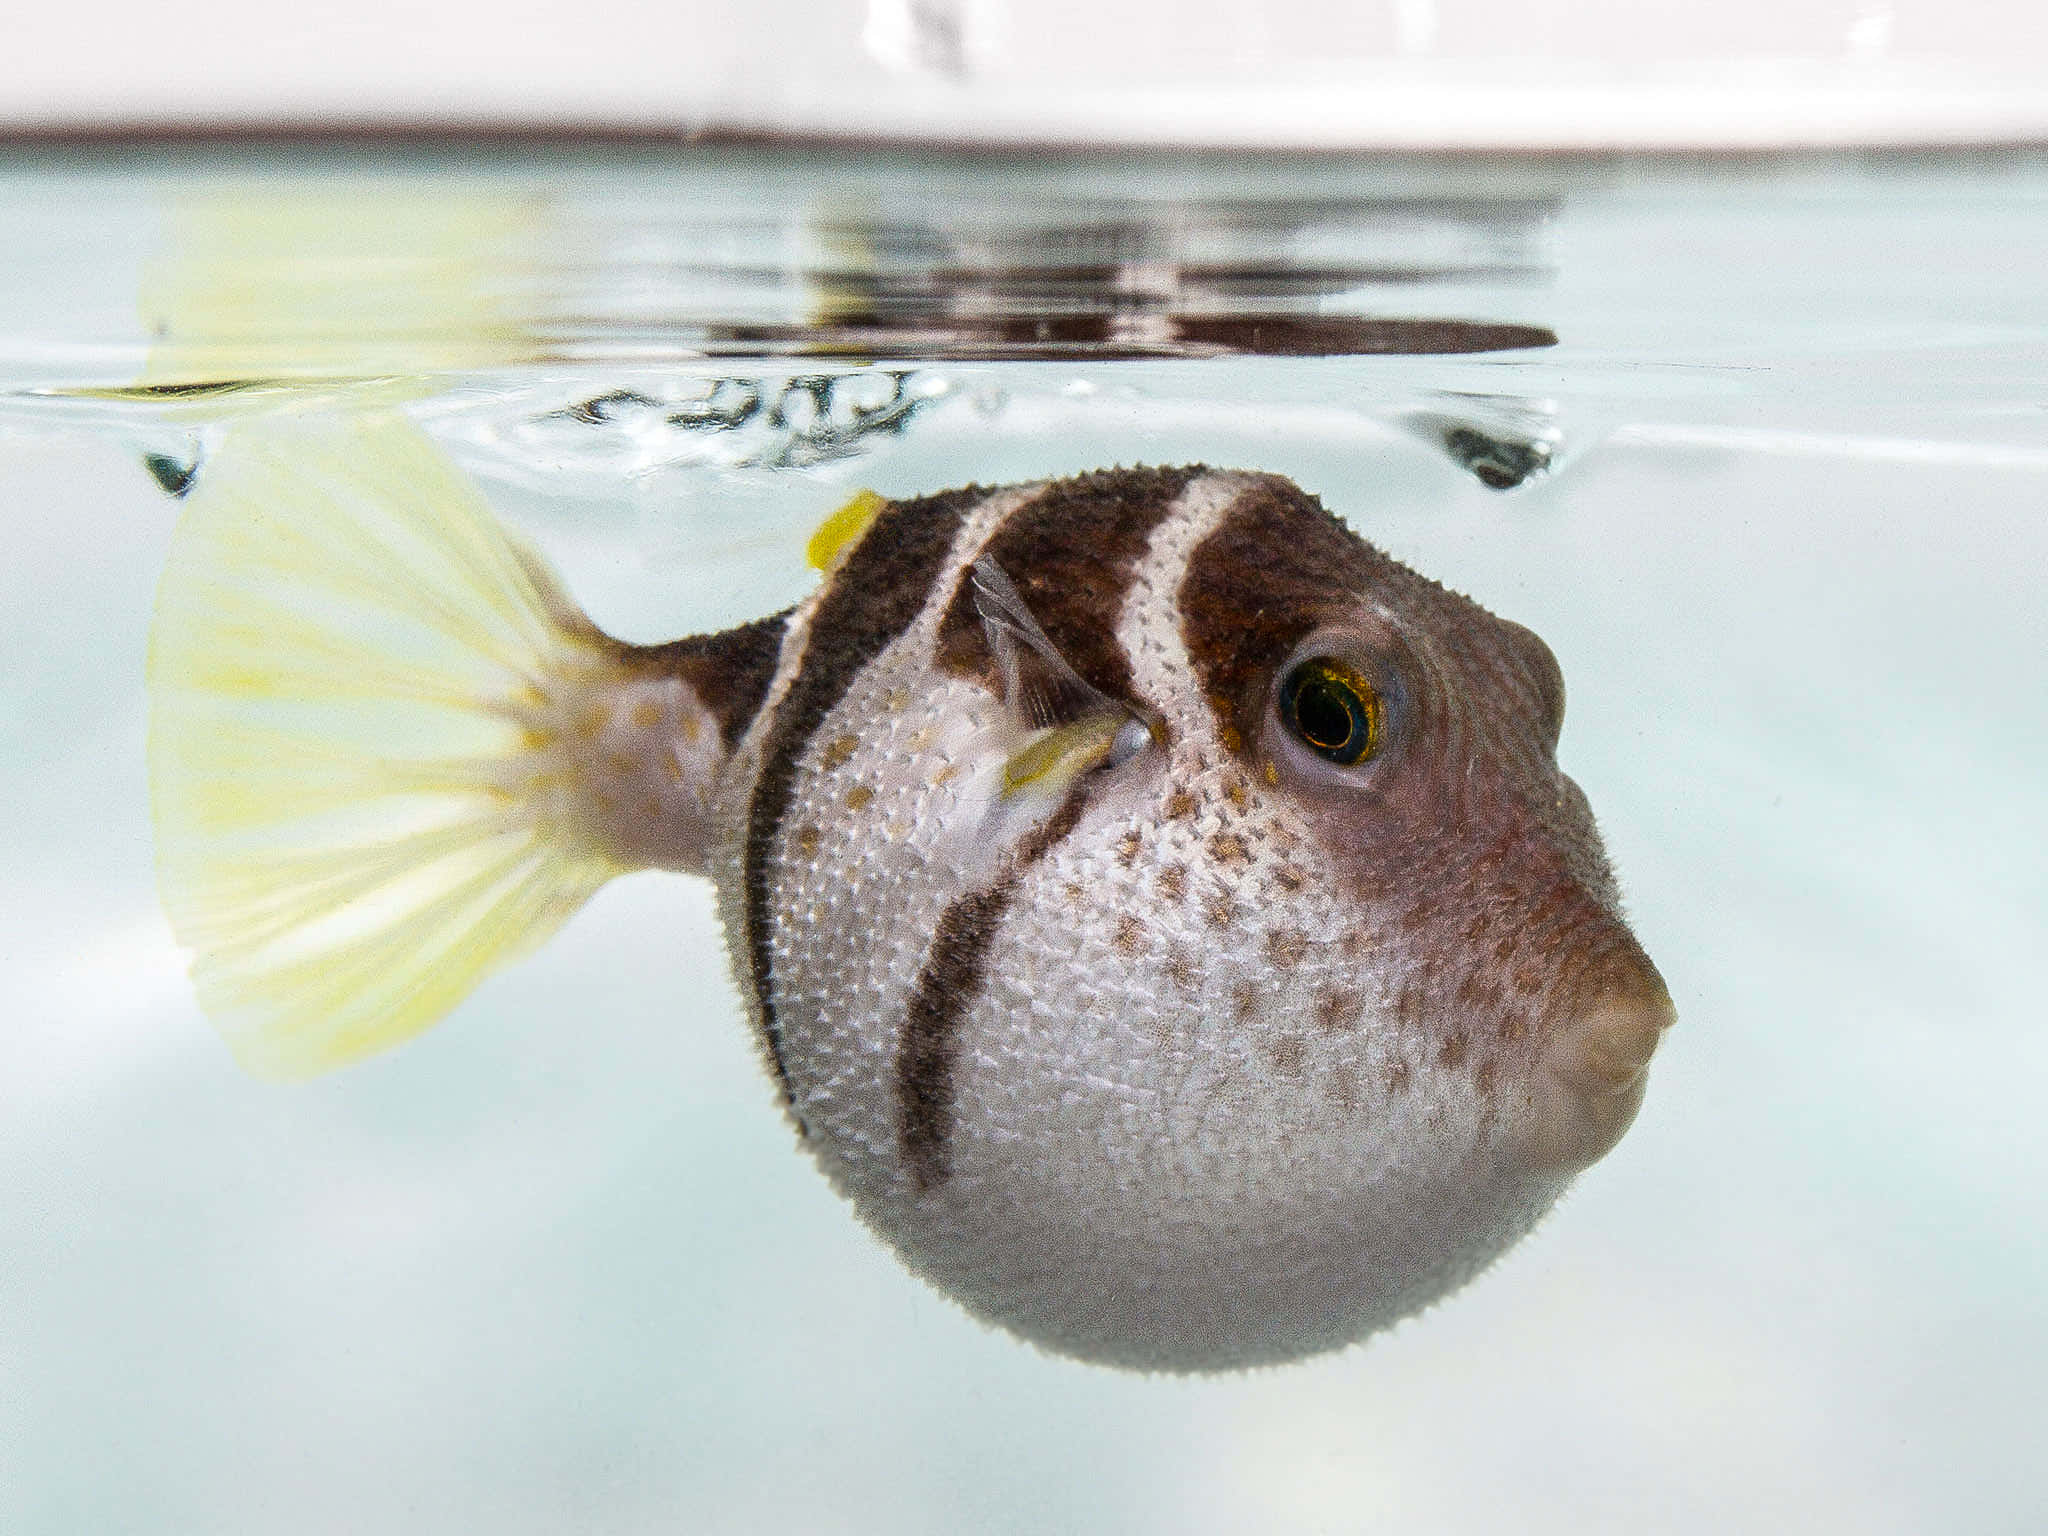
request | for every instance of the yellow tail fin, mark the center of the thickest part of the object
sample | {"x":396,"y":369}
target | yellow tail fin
{"x":354,"y":677}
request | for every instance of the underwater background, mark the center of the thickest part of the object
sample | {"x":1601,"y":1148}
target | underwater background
{"x":1759,"y":446}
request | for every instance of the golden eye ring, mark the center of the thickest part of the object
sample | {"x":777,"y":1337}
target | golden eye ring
{"x":1333,"y":711}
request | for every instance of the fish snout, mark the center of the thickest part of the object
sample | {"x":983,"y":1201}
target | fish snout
{"x":1590,"y":1083}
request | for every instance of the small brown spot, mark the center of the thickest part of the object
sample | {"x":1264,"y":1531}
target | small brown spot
{"x":1337,"y":1009}
{"x":1232,"y":738}
{"x":1228,"y":848}
{"x":807,"y":840}
{"x":1181,"y":967}
{"x":646,"y":714}
{"x":838,"y":751}
{"x":1286,"y":946}
{"x":920,"y":739}
{"x":1238,"y":793}
{"x":1289,"y":877}
{"x":1509,"y":1030}
{"x":1287,"y":1055}
{"x":691,"y":729}
{"x":1075,"y":894}
{"x":1219,"y":910}
{"x":1173,"y":882}
{"x":1244,"y":998}
{"x":1130,"y":936}
{"x":945,"y":772}
{"x":593,"y":721}
{"x":1127,"y":849}
{"x":1451,"y":1053}
{"x":1483,"y":1079}
{"x":1179,"y":804}
{"x":1271,"y":772}
{"x":1396,"y":1077}
{"x":859,"y":798}
{"x":1344,"y":1087}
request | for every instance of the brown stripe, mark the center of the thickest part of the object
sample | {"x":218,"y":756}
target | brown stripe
{"x":878,"y":589}
{"x":929,"y":1049}
{"x":1276,"y":568}
{"x":1071,"y":554}
{"x":729,"y":671}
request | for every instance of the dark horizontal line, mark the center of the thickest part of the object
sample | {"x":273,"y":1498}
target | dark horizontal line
{"x":345,"y":135}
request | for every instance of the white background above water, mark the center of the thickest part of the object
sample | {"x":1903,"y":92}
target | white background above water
{"x":1627,"y":73}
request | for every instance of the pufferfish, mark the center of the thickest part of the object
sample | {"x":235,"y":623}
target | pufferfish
{"x":1160,"y":913}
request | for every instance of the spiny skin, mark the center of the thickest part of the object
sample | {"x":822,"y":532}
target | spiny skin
{"x":1216,"y":1056}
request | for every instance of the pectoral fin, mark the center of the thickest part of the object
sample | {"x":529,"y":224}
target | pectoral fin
{"x":1073,"y":727}
{"x":1037,"y":682}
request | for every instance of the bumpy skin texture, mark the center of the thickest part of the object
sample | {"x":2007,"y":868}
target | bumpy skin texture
{"x":1213,"y":1056}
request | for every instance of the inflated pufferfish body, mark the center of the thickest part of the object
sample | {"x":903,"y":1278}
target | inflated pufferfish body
{"x":1161,"y":911}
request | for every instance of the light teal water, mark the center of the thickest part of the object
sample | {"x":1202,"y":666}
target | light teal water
{"x":558,"y":1265}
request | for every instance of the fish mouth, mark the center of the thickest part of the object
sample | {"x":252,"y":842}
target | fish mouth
{"x":1591,"y":1082}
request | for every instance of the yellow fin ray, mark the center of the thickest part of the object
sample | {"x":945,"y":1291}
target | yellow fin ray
{"x":1060,"y":754}
{"x":356,"y":686}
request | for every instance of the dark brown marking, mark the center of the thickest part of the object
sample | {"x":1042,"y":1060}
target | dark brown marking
{"x":1344,"y":1087}
{"x":928,"y":1048}
{"x":1179,"y":804}
{"x":1127,"y":849}
{"x":1244,"y":998}
{"x":879,"y":587}
{"x":859,"y":798}
{"x":807,"y":840}
{"x":1228,"y":848}
{"x":1130,"y":936}
{"x":729,"y":671}
{"x":1451,"y":1054}
{"x":1238,"y":793}
{"x":1338,"y":1009}
{"x":1173,"y":882}
{"x":1219,"y":910}
{"x":1285,"y":947}
{"x":928,"y":1055}
{"x":1071,"y":553}
{"x":1277,"y":567}
{"x":1290,"y":877}
{"x":838,"y":752}
{"x":1180,"y":965}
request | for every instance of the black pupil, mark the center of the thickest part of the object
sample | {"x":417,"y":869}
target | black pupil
{"x":1330,"y":717}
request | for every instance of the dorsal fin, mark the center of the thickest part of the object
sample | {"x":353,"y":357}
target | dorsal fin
{"x":842,"y":529}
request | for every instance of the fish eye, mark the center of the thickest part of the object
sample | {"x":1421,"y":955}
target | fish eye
{"x":1332,"y":711}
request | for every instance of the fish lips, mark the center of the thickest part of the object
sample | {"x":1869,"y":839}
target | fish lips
{"x":1590,"y":1081}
